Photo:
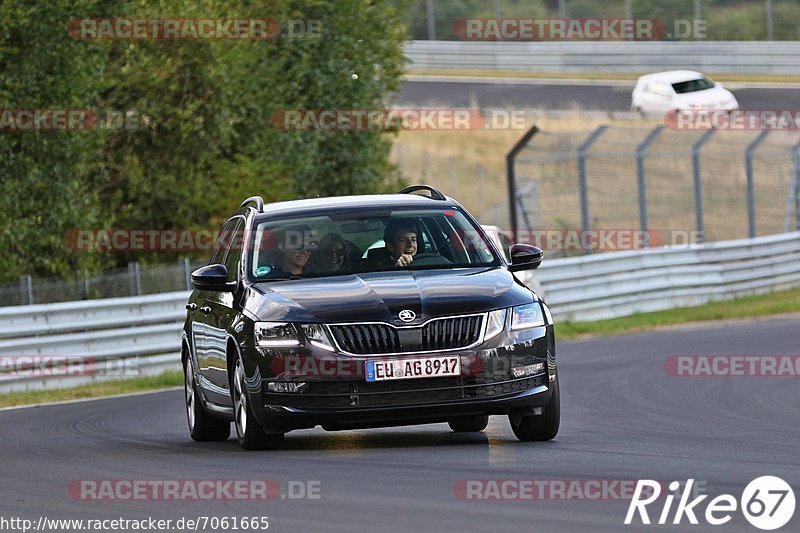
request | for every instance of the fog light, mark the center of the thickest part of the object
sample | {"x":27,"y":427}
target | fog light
{"x":527,"y":370}
{"x":287,"y":386}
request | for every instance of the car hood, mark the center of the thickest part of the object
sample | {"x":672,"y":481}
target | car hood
{"x":380,"y":296}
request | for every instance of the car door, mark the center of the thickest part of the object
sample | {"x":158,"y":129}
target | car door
{"x":220,"y":318}
{"x":201,"y":315}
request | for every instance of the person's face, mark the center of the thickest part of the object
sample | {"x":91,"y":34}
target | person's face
{"x":295,"y":258}
{"x":333,"y":256}
{"x":405,"y":242}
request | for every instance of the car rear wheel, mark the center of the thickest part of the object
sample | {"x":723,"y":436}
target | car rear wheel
{"x":202,"y":426}
{"x":539,"y":427}
{"x":251,"y":436}
{"x":466,"y":424}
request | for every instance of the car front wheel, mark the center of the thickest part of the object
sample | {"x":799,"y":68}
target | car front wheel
{"x":251,"y":436}
{"x":539,"y":427}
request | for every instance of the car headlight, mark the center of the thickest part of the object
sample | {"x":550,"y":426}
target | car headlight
{"x":495,"y":323}
{"x":275,"y":334}
{"x":527,"y":316}
{"x":315,"y":333}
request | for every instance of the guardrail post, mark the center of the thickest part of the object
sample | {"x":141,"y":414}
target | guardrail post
{"x":641,"y":151}
{"x":187,"y":273}
{"x":583,"y":154}
{"x":26,"y":290}
{"x":512,"y":179}
{"x":751,"y":190}
{"x":698,"y":184}
{"x":794,"y":192}
{"x":134,"y":279}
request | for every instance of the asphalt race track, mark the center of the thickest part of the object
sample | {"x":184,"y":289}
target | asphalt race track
{"x":623,"y":418}
{"x":566,"y":95}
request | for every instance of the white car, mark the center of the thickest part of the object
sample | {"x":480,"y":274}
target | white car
{"x":677,"y":90}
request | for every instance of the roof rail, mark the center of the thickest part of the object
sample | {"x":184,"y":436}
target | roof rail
{"x":256,"y":200}
{"x":435,"y":193}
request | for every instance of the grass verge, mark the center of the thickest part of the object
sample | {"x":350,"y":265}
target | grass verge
{"x":622,"y":76}
{"x":748,"y":307}
{"x":93,"y":390}
{"x":740,"y":308}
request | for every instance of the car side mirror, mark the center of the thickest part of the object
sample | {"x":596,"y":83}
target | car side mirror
{"x":212,"y":278}
{"x":525,"y":257}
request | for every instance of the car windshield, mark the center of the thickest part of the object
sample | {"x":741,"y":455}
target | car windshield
{"x":350,"y":243}
{"x":692,"y":86}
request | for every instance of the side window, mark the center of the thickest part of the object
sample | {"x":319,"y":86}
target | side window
{"x":234,"y":251}
{"x":221,"y":245}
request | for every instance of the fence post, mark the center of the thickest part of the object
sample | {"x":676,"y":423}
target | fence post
{"x":751,"y":191}
{"x":480,"y":175}
{"x":451,"y":175}
{"x":431,"y":20}
{"x":583,"y":154}
{"x":86,"y":284}
{"x":511,"y":158}
{"x":187,"y":274}
{"x":641,"y":151}
{"x":26,"y":290}
{"x":134,"y":279}
{"x":698,"y":185}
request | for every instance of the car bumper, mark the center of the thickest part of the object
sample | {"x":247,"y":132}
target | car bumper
{"x":277,"y":418}
{"x":487,"y":386}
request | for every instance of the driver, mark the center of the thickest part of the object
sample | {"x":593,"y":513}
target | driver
{"x":400,"y":237}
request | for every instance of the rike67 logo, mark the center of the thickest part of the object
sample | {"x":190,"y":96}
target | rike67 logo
{"x":767,"y":503}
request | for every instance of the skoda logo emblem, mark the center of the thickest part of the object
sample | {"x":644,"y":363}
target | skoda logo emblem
{"x":407,"y":315}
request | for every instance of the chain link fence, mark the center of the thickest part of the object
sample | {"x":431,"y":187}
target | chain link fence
{"x":135,"y":280}
{"x":718,"y":20}
{"x":716,"y":185}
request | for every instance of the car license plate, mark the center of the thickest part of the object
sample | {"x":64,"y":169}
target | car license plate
{"x":421,"y":367}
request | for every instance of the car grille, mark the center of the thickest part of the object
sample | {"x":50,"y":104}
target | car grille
{"x":439,"y":334}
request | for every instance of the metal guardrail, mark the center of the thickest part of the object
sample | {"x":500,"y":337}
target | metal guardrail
{"x":89,"y":340}
{"x":752,"y":57}
{"x":624,"y":283}
{"x":141,"y":335}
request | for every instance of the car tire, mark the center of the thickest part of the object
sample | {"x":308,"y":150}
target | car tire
{"x":250,"y":434}
{"x":468,"y":424}
{"x":539,"y":427}
{"x":202,"y":426}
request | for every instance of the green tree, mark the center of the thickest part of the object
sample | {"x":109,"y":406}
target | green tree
{"x":44,"y":193}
